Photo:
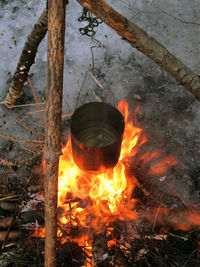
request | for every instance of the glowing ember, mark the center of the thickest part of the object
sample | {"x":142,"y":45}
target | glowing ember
{"x":91,"y":203}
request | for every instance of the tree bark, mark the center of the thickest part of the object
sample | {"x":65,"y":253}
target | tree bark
{"x":52,"y":149}
{"x":145,"y":44}
{"x":26,"y":60}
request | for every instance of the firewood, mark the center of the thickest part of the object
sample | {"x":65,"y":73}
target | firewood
{"x":11,"y":236}
{"x":52,"y":149}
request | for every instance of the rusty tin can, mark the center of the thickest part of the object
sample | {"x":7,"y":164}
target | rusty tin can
{"x":96,"y":136}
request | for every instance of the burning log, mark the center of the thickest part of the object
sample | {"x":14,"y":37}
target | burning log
{"x":56,"y":34}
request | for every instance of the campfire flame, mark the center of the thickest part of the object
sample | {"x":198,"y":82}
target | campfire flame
{"x":105,"y":191}
{"x":91,"y":203}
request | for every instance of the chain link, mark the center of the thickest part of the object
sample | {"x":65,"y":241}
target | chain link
{"x":92,"y":23}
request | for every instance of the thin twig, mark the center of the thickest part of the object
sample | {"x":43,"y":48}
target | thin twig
{"x":176,"y":193}
{"x":96,"y":96}
{"x":36,"y":111}
{"x":27,"y":105}
{"x":95,"y":79}
{"x":26,"y":127}
{"x":39,"y":133}
{"x":67,"y":115}
{"x":29,"y":159}
{"x":35,"y":145}
{"x":36,"y":100}
{"x":38,"y":124}
{"x":7,"y":163}
{"x":29,"y":129}
{"x":21,"y":141}
{"x":8,"y":197}
{"x":178,"y":19}
{"x":189,"y":258}
{"x":155,"y":218}
{"x":12,"y":139}
{"x":8,"y":231}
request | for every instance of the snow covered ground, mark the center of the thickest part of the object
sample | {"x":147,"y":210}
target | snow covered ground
{"x":169,"y":113}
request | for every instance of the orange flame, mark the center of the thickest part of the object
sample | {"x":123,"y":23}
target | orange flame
{"x":105,"y":192}
{"x":92,"y":202}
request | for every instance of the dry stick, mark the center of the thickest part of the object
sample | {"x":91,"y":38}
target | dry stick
{"x":26,"y":60}
{"x":28,"y":105}
{"x":23,"y":125}
{"x":7,"y":163}
{"x":39,"y":125}
{"x":67,"y":115}
{"x":155,"y":218}
{"x":94,"y":78}
{"x":29,"y":159}
{"x":52,"y":149}
{"x":36,"y":101}
{"x":21,"y":141}
{"x":7,"y":197}
{"x":145,"y":43}
{"x":12,"y":139}
{"x":28,"y":128}
{"x":8,"y":231}
{"x":36,"y":111}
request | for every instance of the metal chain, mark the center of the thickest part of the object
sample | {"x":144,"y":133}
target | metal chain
{"x":92,"y":23}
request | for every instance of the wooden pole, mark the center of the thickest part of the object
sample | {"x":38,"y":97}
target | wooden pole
{"x":52,"y":149}
{"x":145,"y":43}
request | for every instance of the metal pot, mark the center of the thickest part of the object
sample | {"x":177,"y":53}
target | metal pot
{"x":96,"y":136}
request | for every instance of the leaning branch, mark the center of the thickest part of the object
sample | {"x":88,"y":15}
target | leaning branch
{"x":26,"y":60}
{"x":137,"y":37}
{"x":145,"y":43}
